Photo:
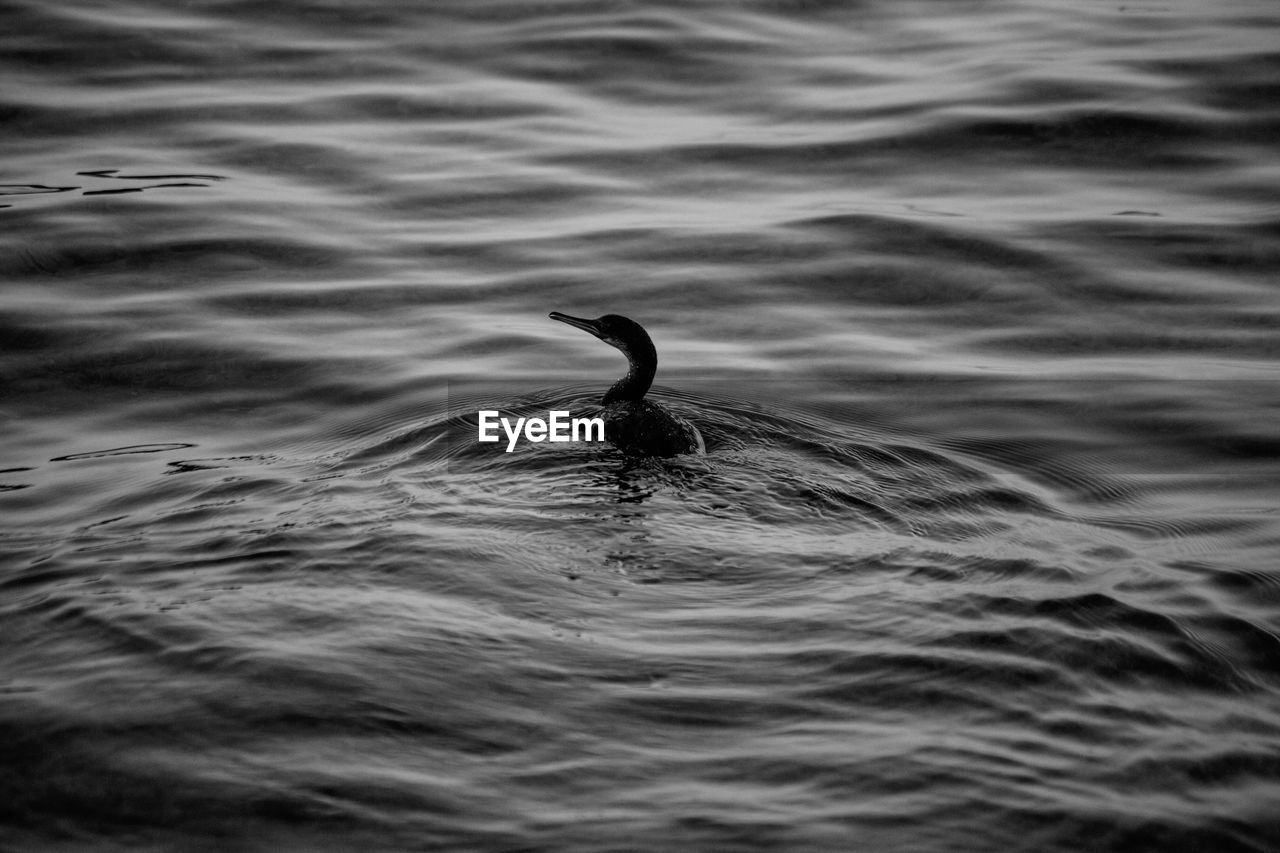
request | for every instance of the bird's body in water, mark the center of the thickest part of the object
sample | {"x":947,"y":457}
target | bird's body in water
{"x":636,"y":426}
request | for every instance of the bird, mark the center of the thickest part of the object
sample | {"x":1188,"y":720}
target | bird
{"x":634,"y":425}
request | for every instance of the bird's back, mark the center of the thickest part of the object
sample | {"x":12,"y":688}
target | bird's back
{"x":644,"y":428}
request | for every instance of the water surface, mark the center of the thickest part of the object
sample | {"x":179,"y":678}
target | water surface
{"x":975,"y":305}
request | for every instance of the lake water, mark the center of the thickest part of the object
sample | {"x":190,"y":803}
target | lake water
{"x":975,"y":303}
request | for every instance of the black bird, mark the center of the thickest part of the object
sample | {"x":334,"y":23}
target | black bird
{"x":634,"y":425}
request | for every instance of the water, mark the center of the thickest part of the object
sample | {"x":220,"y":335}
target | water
{"x":975,"y":304}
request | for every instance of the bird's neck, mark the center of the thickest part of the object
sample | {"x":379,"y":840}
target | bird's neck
{"x":641,"y":366}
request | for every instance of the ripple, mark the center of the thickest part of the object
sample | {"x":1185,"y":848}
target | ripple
{"x":123,"y":451}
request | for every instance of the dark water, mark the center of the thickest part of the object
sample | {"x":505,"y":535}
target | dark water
{"x":975,"y":303}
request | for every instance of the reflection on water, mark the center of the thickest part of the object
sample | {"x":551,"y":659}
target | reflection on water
{"x":974,"y":307}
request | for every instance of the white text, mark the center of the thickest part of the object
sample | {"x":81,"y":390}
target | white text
{"x":558,"y":427}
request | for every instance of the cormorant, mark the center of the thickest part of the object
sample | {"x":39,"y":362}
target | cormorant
{"x":636,"y":426}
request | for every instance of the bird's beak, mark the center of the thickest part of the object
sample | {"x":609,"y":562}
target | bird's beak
{"x":576,"y":322}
